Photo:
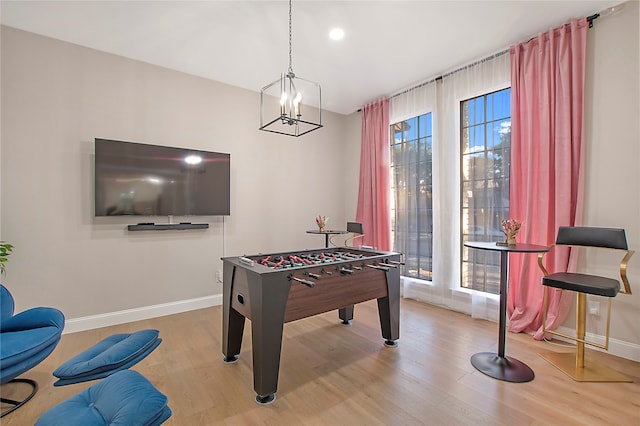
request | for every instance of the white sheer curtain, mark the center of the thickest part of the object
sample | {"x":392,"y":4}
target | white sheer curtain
{"x":442,"y":98}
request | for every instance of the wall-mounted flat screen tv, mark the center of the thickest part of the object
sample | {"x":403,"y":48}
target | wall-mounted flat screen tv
{"x":150,"y":180}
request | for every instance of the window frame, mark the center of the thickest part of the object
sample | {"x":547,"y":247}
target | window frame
{"x":420,"y":139}
{"x":489,"y":261}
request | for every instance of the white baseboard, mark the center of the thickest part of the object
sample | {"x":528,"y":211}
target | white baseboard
{"x":114,"y":318}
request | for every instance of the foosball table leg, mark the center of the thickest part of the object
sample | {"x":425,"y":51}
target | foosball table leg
{"x":389,"y":310}
{"x":232,"y":330}
{"x":346,"y":314}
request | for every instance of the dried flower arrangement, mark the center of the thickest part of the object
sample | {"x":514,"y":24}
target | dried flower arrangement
{"x":321,"y":221}
{"x":510,"y":228}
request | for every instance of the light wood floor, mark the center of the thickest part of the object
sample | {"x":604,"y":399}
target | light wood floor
{"x":336,"y":375}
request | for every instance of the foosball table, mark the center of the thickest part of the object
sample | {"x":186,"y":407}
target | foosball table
{"x":271,"y":290}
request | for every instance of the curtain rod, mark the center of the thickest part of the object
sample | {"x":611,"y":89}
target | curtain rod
{"x":447,"y":74}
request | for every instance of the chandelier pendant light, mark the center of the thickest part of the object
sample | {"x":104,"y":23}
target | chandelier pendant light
{"x":291,"y":105}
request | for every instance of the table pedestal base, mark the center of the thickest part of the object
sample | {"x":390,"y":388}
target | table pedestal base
{"x":508,"y":369}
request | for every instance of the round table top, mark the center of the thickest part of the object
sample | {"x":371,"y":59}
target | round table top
{"x":517,"y":248}
{"x":326,"y":231}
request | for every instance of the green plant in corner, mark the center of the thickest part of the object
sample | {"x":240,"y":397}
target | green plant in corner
{"x":5,"y":251}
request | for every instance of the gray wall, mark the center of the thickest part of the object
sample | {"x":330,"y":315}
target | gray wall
{"x":57,"y":97}
{"x":612,"y":181}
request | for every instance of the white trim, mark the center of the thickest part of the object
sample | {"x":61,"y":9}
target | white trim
{"x":121,"y":317}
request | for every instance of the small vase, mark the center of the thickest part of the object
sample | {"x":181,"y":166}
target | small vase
{"x":321,"y":228}
{"x":511,"y":241}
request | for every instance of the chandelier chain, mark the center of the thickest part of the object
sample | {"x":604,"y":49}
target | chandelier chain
{"x":290,"y":42}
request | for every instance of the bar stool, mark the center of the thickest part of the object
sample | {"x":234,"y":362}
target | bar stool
{"x":353,"y":228}
{"x":576,"y":366}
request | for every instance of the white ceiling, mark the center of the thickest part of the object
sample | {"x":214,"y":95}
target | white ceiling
{"x":388,"y":45}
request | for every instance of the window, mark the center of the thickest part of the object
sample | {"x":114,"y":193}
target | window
{"x":412,"y":211}
{"x":485,"y":124}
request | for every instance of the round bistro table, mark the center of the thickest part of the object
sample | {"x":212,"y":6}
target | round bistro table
{"x":498,"y":365}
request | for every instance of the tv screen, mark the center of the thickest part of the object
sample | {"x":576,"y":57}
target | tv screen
{"x":150,"y":180}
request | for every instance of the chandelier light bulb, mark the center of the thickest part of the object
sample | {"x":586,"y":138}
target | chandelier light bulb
{"x":283,"y":101}
{"x":297,"y":102}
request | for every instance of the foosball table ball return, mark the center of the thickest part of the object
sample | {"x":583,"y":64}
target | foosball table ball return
{"x":273,"y":289}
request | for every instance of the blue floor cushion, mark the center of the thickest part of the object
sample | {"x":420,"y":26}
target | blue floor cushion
{"x":115,"y":353}
{"x":124,"y":398}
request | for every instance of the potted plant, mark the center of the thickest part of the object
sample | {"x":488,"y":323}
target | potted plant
{"x":5,"y":251}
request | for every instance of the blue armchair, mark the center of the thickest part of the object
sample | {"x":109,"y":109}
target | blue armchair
{"x":26,"y":339}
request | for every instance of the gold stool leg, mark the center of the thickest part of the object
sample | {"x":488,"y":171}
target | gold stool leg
{"x":575,"y":365}
{"x":581,"y":316}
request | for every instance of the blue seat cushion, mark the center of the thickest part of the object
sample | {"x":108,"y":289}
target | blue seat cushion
{"x":115,"y":353}
{"x":124,"y":398}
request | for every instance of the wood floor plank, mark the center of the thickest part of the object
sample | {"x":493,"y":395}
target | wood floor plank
{"x":344,"y":375}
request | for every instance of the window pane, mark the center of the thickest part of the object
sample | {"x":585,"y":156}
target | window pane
{"x":501,"y":104}
{"x":478,"y":138}
{"x":500,"y":133}
{"x":479,"y":110}
{"x":410,"y":130}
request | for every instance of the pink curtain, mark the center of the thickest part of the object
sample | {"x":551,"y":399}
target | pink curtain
{"x":547,"y":91}
{"x":374,"y":190}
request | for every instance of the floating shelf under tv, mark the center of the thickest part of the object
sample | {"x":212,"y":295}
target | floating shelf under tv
{"x":166,"y":226}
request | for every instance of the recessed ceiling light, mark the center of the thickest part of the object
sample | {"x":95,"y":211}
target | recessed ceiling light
{"x":336,"y":34}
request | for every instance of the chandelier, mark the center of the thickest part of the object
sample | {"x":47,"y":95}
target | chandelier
{"x":291,"y":105}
